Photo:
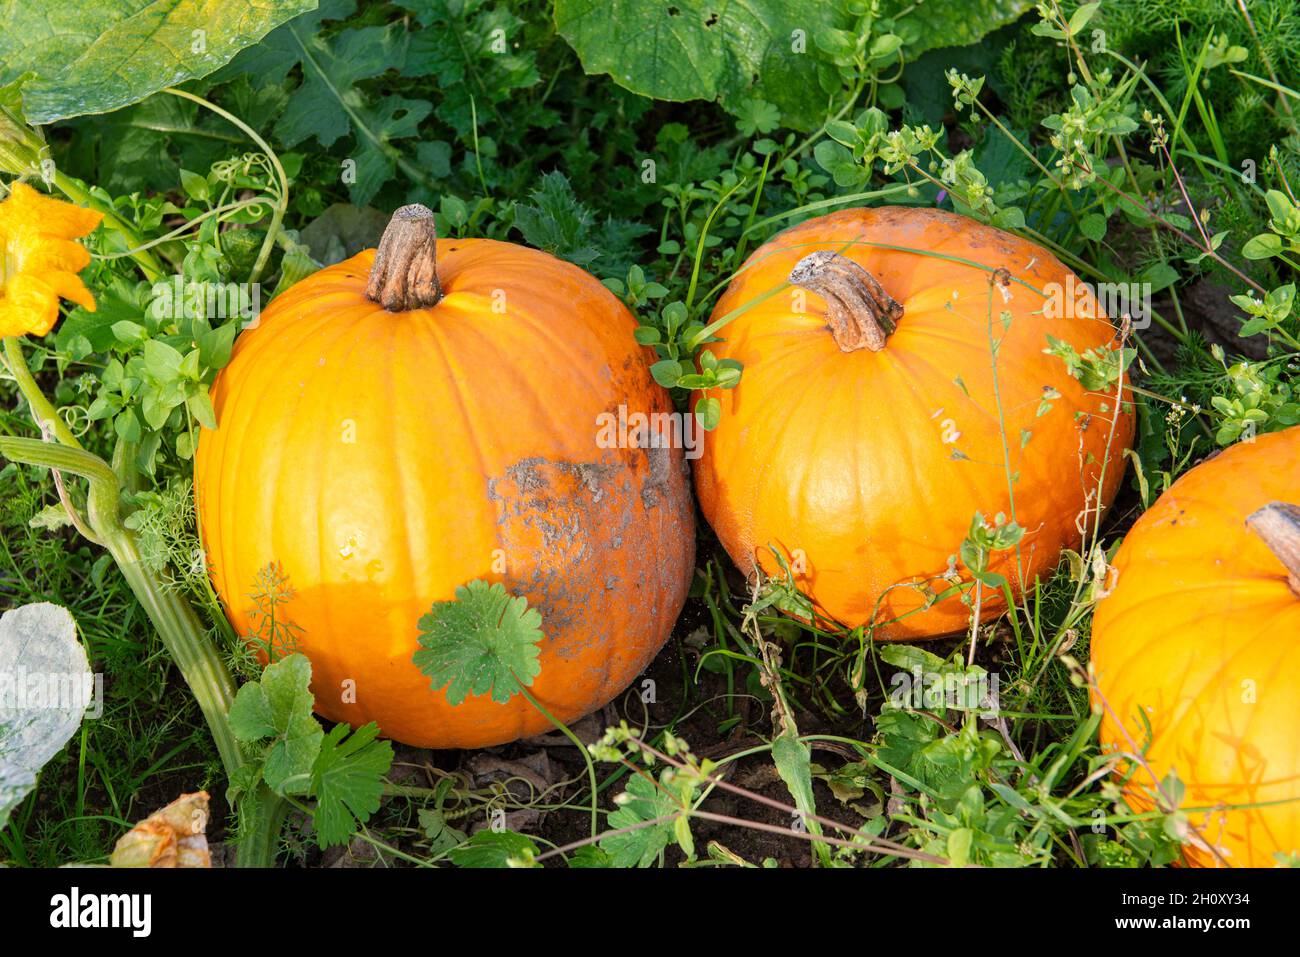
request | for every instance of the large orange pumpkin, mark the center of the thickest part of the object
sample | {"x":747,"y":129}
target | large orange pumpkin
{"x":383,"y":455}
{"x":869,"y":426}
{"x":1199,"y":640}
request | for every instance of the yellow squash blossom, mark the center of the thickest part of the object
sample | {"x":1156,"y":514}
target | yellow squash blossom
{"x":39,"y":259}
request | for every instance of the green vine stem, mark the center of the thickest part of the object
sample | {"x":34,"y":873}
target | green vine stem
{"x":261,"y":818}
{"x":143,"y":256}
{"x":577,"y":743}
{"x":42,"y":411}
{"x":182,"y":633}
{"x":185,"y":228}
{"x":282,"y":200}
{"x":261,"y":814}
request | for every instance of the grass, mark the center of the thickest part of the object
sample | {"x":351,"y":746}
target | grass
{"x":149,"y":743}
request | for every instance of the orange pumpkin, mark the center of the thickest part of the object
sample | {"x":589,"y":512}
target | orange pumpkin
{"x":1199,"y":640}
{"x":383,"y":455}
{"x":864,"y":434}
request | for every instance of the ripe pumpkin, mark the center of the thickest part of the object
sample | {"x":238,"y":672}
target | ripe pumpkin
{"x":864,"y":434}
{"x":424,"y":415}
{"x":1201,"y":635}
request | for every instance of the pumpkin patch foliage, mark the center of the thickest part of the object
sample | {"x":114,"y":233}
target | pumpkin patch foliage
{"x":504,"y":433}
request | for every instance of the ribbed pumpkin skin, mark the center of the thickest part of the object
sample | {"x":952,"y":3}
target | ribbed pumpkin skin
{"x":842,"y":455}
{"x":1200,"y":620}
{"x":475,"y":443}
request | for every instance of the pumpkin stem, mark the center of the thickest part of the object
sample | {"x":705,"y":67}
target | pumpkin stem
{"x":1279,"y":525}
{"x":405,"y":272}
{"x":861,"y":313}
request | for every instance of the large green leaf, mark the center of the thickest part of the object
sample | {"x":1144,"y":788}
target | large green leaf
{"x":759,"y":49}
{"x":702,"y":49}
{"x":43,"y":694}
{"x":956,"y":23}
{"x":94,"y":56}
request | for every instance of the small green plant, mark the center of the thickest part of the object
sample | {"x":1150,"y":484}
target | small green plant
{"x":292,"y":757}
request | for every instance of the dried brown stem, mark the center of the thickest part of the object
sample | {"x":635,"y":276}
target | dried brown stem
{"x":861,"y":313}
{"x":1278,"y":523}
{"x":405,"y":272}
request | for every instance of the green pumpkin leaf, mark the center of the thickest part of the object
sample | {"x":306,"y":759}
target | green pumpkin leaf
{"x":484,"y":642}
{"x":784,"y":54}
{"x":96,"y":56}
{"x":693,"y":50}
{"x":392,"y":118}
{"x":953,"y":23}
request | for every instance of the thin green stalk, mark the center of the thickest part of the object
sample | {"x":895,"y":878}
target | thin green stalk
{"x":1015,"y":141}
{"x":897,"y":189}
{"x":185,"y":227}
{"x":577,"y":743}
{"x":261,"y":818}
{"x":739,"y":256}
{"x":1182,"y":332}
{"x":42,"y":411}
{"x":282,"y":201}
{"x":478,"y":157}
{"x":704,"y":235}
{"x":995,"y":347}
{"x":144,"y":258}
